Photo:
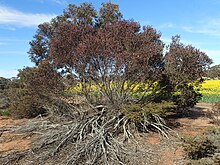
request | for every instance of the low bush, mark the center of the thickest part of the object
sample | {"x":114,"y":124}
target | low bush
{"x":214,"y":113}
{"x":186,"y":97}
{"x":203,"y":149}
{"x":25,"y":105}
{"x":200,"y":147}
{"x":4,"y":102}
{"x":148,"y":115}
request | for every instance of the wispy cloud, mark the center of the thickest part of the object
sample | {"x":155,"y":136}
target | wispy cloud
{"x":60,"y":2}
{"x":210,"y":26}
{"x":12,"y":17}
{"x":8,"y":73}
{"x":167,"y":25}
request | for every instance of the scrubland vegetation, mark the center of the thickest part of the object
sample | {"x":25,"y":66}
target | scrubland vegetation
{"x":99,"y":81}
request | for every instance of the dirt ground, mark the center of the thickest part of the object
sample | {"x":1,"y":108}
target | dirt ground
{"x":196,"y":124}
{"x":9,"y":140}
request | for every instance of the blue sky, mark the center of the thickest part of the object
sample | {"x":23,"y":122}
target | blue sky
{"x":196,"y":21}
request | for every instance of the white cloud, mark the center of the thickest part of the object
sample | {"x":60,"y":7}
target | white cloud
{"x":166,"y":40}
{"x":12,"y":17}
{"x":210,"y":26}
{"x":8,"y":73}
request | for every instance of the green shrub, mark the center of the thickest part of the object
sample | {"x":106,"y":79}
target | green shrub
{"x":4,"y":102}
{"x":5,"y":112}
{"x":199,"y":148}
{"x":185,"y":97}
{"x":144,"y":115}
{"x":203,"y":146}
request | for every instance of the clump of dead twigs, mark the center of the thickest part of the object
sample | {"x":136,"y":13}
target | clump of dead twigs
{"x":86,"y":134}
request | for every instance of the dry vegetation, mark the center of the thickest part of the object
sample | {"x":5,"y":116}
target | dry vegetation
{"x":37,"y":141}
{"x":101,"y":87}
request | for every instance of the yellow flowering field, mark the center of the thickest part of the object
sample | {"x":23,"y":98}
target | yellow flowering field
{"x":211,"y":87}
{"x":211,"y":91}
{"x":93,"y":88}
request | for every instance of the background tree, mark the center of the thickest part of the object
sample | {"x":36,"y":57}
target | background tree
{"x":4,"y":83}
{"x":213,"y":72}
{"x":185,"y":65}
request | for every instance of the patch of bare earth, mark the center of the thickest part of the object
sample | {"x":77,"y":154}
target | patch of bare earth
{"x":198,"y":122}
{"x":173,"y":153}
{"x":168,"y":156}
{"x":159,"y":150}
{"x":9,"y":140}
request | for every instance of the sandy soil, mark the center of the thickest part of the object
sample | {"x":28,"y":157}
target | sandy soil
{"x":11,"y":141}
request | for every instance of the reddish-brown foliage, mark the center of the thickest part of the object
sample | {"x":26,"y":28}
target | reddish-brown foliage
{"x":101,"y":48}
